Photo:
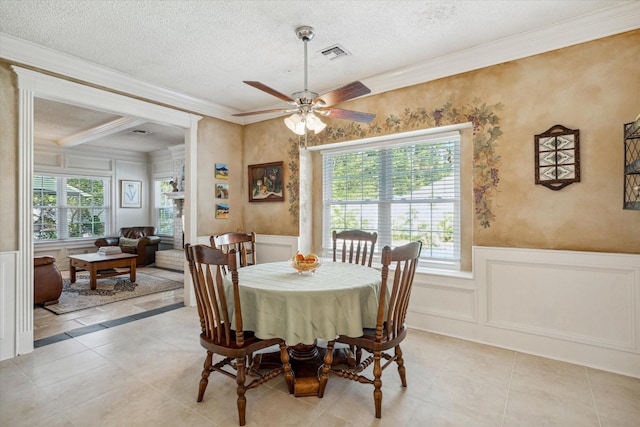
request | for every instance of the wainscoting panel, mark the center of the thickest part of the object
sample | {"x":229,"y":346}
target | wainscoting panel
{"x":448,"y":300}
{"x":573,"y":302}
{"x":275,"y":248}
{"x":8,"y":266}
{"x":88,"y":163}
{"x":44,"y":159}
{"x":580,"y":307}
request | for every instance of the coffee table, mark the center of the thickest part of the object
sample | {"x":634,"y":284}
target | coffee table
{"x":94,"y":263}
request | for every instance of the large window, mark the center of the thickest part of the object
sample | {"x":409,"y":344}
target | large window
{"x":164,"y":207}
{"x":404,"y":191}
{"x":67,"y":207}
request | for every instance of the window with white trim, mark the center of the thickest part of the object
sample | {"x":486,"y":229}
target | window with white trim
{"x":405,"y":189}
{"x":67,"y":207}
{"x":164,"y":207}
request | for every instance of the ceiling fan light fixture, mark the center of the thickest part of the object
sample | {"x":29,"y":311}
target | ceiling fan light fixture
{"x":314,"y":123}
{"x":306,"y":102}
{"x":295,"y":123}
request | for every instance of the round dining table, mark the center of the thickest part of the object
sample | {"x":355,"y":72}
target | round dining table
{"x":277,"y":301}
{"x":338,"y":299}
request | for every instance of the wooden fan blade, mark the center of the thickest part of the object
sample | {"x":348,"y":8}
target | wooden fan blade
{"x":270,"y":91}
{"x":276,"y":110}
{"x":344,"y":93}
{"x":356,"y":116}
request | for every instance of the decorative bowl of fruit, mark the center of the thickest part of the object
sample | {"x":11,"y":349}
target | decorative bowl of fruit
{"x":305,"y":263}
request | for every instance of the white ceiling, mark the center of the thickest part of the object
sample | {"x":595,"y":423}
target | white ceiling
{"x":205,"y":49}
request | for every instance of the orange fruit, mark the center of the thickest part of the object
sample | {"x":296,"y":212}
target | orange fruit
{"x":299,"y":257}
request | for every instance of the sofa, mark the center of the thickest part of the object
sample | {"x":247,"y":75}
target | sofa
{"x":141,"y":241}
{"x":47,"y":281}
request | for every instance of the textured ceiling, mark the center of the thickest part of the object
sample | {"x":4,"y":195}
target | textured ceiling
{"x":205,"y":49}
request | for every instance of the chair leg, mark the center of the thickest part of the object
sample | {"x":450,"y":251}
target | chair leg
{"x":377,"y":383}
{"x":240,"y":379}
{"x":206,"y":371}
{"x":286,"y":366}
{"x":325,"y":367}
{"x":401,"y":369}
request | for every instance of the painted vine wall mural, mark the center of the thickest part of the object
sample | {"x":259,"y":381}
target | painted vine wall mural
{"x":486,"y":133}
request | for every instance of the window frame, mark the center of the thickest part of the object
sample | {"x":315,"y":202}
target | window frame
{"x":159,"y":195}
{"x":62,"y":206}
{"x":425,"y":136}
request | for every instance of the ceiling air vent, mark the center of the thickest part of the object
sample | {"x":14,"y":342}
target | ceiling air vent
{"x":140,"y":132}
{"x":334,"y":52}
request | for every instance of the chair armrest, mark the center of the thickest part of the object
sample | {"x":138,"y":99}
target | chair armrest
{"x":145,"y":241}
{"x":153,"y":240}
{"x":107,"y":241}
{"x":43,"y":260}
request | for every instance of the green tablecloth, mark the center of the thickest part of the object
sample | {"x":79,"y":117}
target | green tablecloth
{"x":278,"y":302}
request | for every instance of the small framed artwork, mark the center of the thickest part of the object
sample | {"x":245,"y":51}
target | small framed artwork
{"x":222,"y":171}
{"x":266,"y":182}
{"x":222,"y":191}
{"x":130,"y":194}
{"x":222,"y":211}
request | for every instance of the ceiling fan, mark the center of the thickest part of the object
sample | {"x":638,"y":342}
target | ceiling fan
{"x":306,"y":104}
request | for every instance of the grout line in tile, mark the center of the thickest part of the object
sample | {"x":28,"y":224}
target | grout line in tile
{"x":593,"y":397}
{"x":506,"y":399}
{"x":104,"y":325}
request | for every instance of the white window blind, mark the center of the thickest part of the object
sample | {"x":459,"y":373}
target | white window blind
{"x":405,"y":189}
{"x":66,"y":207}
{"x":164,"y":207}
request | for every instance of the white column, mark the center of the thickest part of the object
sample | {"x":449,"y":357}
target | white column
{"x":190,"y":207}
{"x":305,"y":215}
{"x":24,"y":273}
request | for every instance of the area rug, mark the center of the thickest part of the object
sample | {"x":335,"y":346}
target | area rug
{"x":78,"y":296}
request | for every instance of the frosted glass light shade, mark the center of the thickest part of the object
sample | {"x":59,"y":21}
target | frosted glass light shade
{"x":295,"y":124}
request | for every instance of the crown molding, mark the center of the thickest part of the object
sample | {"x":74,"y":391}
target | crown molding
{"x":608,"y":22}
{"x":29,"y":54}
{"x":617,"y":19}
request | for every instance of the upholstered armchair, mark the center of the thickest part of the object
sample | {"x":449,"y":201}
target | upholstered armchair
{"x":47,"y":281}
{"x":135,"y":240}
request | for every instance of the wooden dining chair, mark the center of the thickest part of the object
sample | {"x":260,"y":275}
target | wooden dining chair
{"x":243,"y":243}
{"x":357,"y":246}
{"x":390,"y":328}
{"x":222,"y":331}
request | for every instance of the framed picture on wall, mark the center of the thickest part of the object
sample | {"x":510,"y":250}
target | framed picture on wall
{"x":130,"y":194}
{"x":222,"y":191}
{"x":222,"y":210}
{"x":266,"y":182}
{"x":222,"y":171}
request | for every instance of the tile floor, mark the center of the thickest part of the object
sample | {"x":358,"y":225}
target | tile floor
{"x":47,"y":324}
{"x":146,"y":373}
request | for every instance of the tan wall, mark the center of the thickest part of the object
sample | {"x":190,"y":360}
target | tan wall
{"x":8,"y":160}
{"x":592,"y":87}
{"x":219,"y":142}
{"x":267,"y":142}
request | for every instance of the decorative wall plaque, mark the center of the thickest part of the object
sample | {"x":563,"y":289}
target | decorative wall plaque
{"x":557,"y":157}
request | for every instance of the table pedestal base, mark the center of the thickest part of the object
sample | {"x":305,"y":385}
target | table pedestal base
{"x":306,"y":361}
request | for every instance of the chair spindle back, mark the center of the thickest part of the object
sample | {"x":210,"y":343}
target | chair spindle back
{"x":358,"y":245}
{"x":404,"y":259}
